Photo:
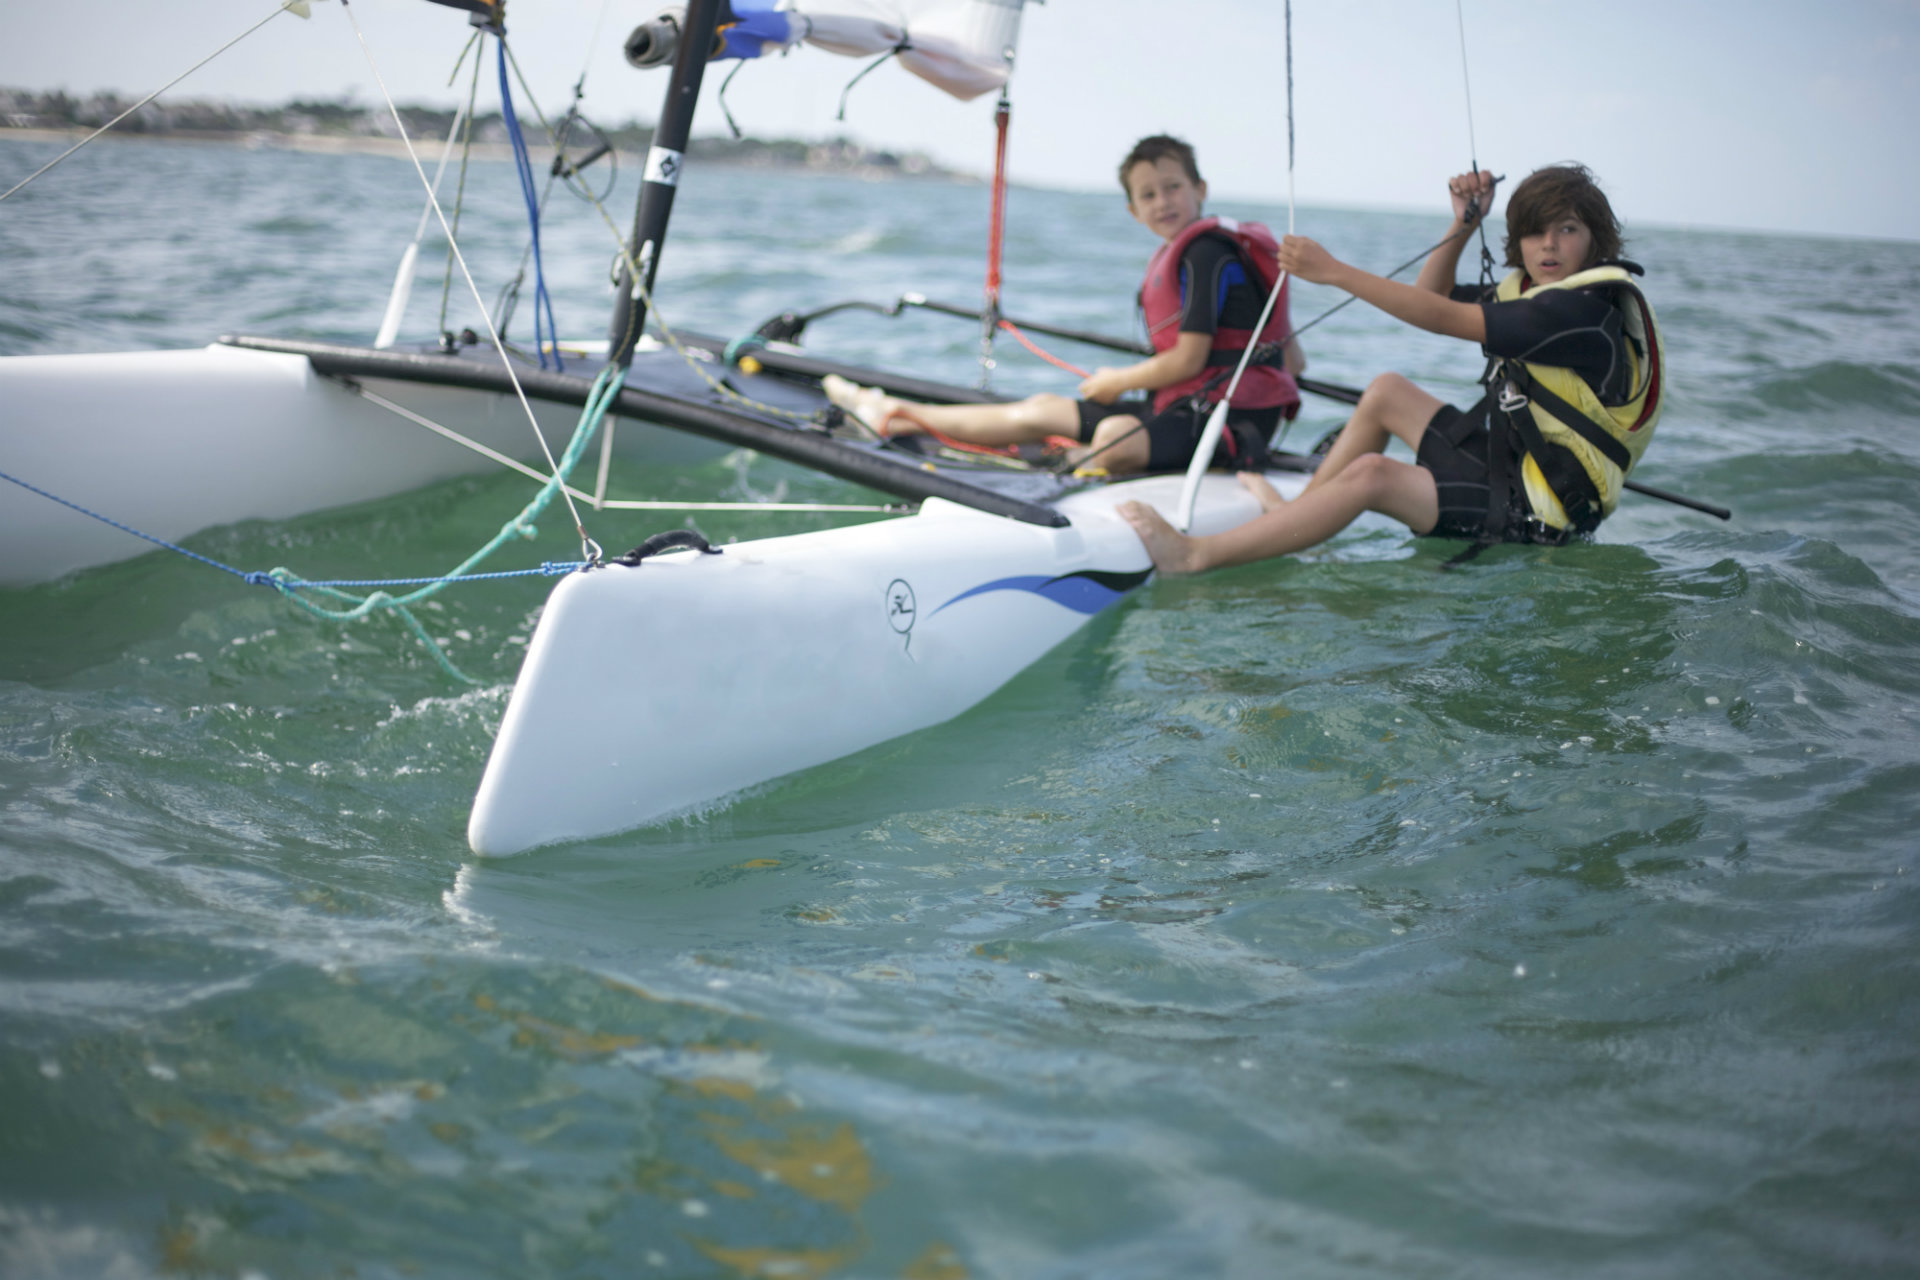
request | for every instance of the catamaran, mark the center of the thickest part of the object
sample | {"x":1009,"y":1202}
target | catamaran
{"x":775,"y":654}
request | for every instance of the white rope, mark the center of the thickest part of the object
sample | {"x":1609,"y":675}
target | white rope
{"x":297,"y":7}
{"x":1217,"y":420}
{"x":600,"y":499}
{"x":1473,"y":147}
{"x":589,"y":548}
{"x":599,"y":23}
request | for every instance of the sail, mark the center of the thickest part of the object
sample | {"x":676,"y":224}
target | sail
{"x":963,"y":46}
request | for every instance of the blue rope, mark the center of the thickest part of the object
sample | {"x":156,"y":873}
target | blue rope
{"x":524,"y":167}
{"x":257,"y":579}
{"x":281,"y":580}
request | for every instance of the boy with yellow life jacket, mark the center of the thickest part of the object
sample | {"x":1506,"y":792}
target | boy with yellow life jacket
{"x":1574,"y":388}
{"x":1205,"y":289}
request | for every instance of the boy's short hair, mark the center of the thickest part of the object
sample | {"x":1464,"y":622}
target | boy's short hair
{"x":1154,"y":149}
{"x":1554,"y":192}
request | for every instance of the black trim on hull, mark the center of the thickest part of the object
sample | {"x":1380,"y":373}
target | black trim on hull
{"x":815,"y":450}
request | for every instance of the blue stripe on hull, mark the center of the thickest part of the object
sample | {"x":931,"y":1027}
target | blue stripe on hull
{"x":1088,"y":591}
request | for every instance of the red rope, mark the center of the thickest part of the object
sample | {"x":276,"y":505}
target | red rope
{"x":965,"y":446}
{"x":997,"y":226}
{"x":1029,"y":344}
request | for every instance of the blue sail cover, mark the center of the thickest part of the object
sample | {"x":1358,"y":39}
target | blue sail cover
{"x":963,"y":46}
{"x":762,"y":28}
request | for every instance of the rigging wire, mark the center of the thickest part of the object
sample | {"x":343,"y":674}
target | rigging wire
{"x":593,"y":42}
{"x":409,"y":261}
{"x":1217,"y":420}
{"x":1473,"y":149}
{"x":296,"y":7}
{"x":460,"y":188}
{"x":623,"y":254}
{"x":590,"y":549}
{"x":615,"y":504}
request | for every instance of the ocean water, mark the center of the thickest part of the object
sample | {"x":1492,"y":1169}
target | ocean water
{"x":1347,"y":916}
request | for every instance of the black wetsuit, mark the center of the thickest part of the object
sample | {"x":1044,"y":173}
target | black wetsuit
{"x":1574,"y":329}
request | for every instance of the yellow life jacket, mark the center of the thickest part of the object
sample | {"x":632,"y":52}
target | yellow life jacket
{"x":1589,"y":459}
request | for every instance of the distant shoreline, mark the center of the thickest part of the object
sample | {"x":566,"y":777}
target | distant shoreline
{"x":344,"y":128}
{"x":839,"y":162}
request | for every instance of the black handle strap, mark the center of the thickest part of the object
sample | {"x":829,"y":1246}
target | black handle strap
{"x":670,"y":540}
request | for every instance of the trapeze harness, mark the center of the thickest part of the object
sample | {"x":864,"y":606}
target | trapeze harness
{"x":1264,"y":385}
{"x":1574,"y":451}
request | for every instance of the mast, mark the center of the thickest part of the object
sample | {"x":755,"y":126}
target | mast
{"x":661,"y":179}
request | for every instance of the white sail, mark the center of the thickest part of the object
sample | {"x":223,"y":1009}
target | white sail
{"x":965,"y":47}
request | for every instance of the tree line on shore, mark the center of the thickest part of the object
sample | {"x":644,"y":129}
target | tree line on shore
{"x":345,"y":118}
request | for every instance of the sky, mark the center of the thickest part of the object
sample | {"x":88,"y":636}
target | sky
{"x":1773,"y":115}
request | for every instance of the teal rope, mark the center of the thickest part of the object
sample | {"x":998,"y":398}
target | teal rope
{"x":547,"y":569}
{"x":605,"y":389}
{"x":739,"y":346}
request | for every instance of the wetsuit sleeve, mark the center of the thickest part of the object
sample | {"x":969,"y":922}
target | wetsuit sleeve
{"x":1569,"y":328}
{"x":1222,"y":287}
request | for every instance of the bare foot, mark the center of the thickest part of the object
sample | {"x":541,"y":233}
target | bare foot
{"x":874,"y":408}
{"x":1256,"y":484}
{"x":1170,"y":550}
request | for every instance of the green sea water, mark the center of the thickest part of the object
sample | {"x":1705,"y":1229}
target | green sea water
{"x":1346,"y":916}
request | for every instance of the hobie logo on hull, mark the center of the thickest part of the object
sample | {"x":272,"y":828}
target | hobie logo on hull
{"x":901,"y":607}
{"x":901,"y":613}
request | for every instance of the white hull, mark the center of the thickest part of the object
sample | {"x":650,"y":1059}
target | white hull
{"x":172,"y":442}
{"x":653,"y":691}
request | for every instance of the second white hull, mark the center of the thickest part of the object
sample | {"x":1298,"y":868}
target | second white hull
{"x":172,"y":442}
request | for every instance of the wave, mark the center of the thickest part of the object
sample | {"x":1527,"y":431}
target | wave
{"x":1841,"y":384}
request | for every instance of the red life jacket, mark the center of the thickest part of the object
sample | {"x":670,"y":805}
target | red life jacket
{"x":1262,"y":386}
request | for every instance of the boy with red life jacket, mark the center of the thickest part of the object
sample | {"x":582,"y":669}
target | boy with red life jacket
{"x":1204,"y":292}
{"x":1574,"y":388}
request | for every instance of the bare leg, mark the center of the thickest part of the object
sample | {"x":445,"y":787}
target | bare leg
{"x":1392,"y":407}
{"x":1117,"y":447}
{"x":1034,"y":418}
{"x":1256,"y":484}
{"x":1373,"y":483}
